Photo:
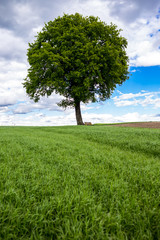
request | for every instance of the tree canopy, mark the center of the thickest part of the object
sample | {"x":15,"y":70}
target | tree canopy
{"x":81,"y":58}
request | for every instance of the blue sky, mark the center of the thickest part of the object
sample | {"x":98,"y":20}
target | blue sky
{"x":138,"y":99}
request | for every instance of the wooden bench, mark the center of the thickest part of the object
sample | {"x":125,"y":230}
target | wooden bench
{"x":88,"y":123}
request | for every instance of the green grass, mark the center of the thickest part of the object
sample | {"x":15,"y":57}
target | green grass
{"x":79,"y":182}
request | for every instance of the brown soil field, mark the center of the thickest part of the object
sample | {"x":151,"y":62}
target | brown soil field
{"x":139,"y":124}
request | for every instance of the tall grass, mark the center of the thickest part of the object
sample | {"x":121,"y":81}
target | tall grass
{"x":79,"y":182}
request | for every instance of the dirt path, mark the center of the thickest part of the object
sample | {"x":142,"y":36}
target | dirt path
{"x":139,"y":124}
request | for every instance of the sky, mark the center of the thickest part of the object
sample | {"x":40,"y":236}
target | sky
{"x":138,"y":99}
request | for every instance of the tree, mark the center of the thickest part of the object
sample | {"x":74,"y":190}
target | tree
{"x":81,"y":58}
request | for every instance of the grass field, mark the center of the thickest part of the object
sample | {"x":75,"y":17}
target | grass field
{"x":79,"y":182}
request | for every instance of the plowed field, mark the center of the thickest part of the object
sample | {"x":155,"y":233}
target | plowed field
{"x":139,"y":124}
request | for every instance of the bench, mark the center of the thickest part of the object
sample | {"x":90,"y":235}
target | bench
{"x":88,"y":123}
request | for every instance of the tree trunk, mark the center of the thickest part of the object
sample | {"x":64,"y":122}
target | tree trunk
{"x":78,"y":114}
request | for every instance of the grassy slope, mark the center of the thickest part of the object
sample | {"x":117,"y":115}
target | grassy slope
{"x":79,"y":183}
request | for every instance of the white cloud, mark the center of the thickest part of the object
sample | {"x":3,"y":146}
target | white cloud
{"x":24,"y":14}
{"x":129,"y":11}
{"x":11,"y":78}
{"x":12,"y":73}
{"x":148,"y":59}
{"x":7,"y":99}
{"x":143,"y":49}
{"x":11,"y":46}
{"x":6,"y":120}
{"x":39,"y":119}
{"x":130,"y":95}
{"x":90,"y":7}
{"x":142,"y":98}
{"x":3,"y":109}
{"x":137,"y":117}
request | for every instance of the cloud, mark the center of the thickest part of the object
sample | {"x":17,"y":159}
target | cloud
{"x":143,"y":49}
{"x":11,"y":46}
{"x":109,"y":118}
{"x":6,"y":14}
{"x":3,"y":109}
{"x":22,"y":108}
{"x":39,"y":119}
{"x":24,"y":15}
{"x":134,"y":99}
{"x":11,"y":77}
{"x":7,"y":99}
{"x":6,"y":120}
{"x":45,"y":104}
{"x":148,"y":59}
{"x":136,"y":117}
{"x":12,"y":73}
{"x":129,"y":10}
{"x":19,"y":17}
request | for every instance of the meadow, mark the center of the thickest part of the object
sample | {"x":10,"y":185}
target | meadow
{"x":79,"y":182}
